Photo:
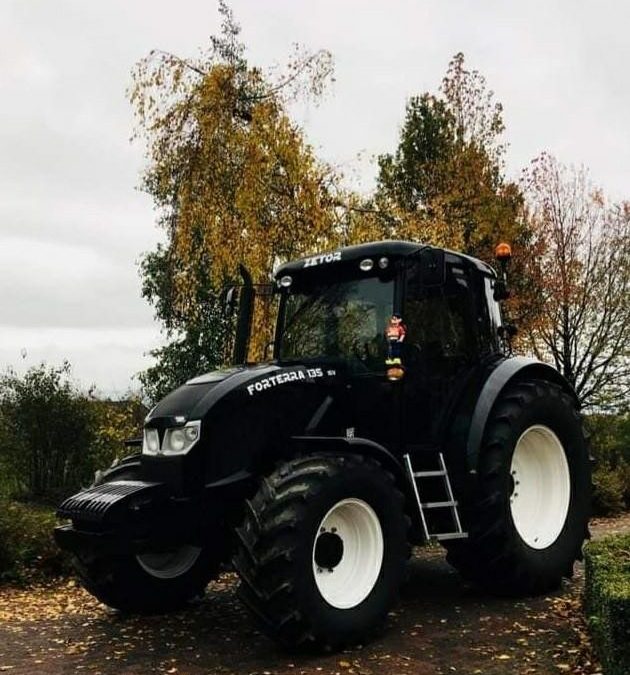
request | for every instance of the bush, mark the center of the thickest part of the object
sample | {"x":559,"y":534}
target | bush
{"x":607,"y":601}
{"x":27,"y":549}
{"x":609,"y":487}
{"x":45,"y":432}
{"x":53,"y":437}
{"x":610,"y":446}
{"x":114,"y":422}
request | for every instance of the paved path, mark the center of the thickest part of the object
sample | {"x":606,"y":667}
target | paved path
{"x":441,"y":626}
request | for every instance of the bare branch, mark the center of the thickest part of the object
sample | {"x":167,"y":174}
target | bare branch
{"x":586,"y":274}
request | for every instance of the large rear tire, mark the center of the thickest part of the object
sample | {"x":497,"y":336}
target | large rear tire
{"x":528,"y":517}
{"x":154,"y":581}
{"x":322,"y":550}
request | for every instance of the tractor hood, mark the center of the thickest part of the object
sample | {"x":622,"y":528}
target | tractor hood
{"x":195,"y":399}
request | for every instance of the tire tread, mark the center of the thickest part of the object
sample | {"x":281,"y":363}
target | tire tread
{"x":267,"y":536}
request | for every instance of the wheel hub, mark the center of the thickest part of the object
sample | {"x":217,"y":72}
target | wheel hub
{"x":348,"y":553}
{"x":540,"y":490}
{"x":514,"y":482}
{"x":328,"y":550}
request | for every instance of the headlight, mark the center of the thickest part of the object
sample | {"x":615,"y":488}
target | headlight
{"x":150,"y":442}
{"x":177,"y":440}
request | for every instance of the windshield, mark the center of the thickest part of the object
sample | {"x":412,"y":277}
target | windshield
{"x":339,"y":320}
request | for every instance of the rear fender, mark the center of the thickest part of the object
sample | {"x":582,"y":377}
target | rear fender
{"x":509,"y":370}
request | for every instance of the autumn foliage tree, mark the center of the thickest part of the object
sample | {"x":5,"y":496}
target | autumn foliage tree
{"x":234,"y":180}
{"x":584,"y":267}
{"x":231,"y":174}
{"x":445,"y":182}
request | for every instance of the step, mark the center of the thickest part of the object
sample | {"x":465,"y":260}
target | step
{"x":449,"y":535}
{"x":438,"y":505}
{"x":426,"y":474}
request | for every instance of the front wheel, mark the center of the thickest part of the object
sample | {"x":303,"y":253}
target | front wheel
{"x":153,"y":581}
{"x":528,"y":516}
{"x":322,"y":550}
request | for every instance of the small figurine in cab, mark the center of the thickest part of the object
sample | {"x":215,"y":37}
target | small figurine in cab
{"x":395,"y":335}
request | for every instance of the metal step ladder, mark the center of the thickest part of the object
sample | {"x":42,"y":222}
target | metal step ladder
{"x":450,"y":503}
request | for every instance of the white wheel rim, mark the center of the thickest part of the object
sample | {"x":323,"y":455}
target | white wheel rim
{"x":541,"y":487}
{"x":169,"y":564}
{"x":348,"y":582}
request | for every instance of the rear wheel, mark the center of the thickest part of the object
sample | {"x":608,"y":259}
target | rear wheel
{"x":528,"y":516}
{"x":540,"y":483}
{"x":323,"y":549}
{"x":153,"y":581}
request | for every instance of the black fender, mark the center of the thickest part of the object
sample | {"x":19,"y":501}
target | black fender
{"x":118,"y":469}
{"x":507,"y":371}
{"x":359,"y":446}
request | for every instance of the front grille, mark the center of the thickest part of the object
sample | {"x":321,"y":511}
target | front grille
{"x":107,"y":501}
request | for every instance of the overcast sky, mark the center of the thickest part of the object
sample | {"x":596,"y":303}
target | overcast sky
{"x":73,"y":225}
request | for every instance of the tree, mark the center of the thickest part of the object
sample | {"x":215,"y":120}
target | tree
{"x":232,"y":177}
{"x":416,"y":173}
{"x":445,"y":182}
{"x":197,"y":341}
{"x":585,"y":269}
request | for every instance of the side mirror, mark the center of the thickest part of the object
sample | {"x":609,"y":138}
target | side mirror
{"x":501,"y":292}
{"x":268,"y":348}
{"x":230,"y":300}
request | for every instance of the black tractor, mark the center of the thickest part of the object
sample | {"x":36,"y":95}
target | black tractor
{"x":392,"y":413}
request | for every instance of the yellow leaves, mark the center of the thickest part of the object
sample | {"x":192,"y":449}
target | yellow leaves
{"x":232,"y":175}
{"x":247,"y":186}
{"x":47,"y":602}
{"x":115,"y":422}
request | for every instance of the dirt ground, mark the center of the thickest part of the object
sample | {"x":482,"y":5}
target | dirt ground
{"x":440,"y":626}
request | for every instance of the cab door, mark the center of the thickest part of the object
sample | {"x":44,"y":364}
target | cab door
{"x":374,"y":401}
{"x":441,"y":344}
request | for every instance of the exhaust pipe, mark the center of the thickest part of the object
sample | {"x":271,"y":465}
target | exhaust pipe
{"x":244,"y":320}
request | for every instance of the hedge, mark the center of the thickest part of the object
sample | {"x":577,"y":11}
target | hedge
{"x":607,"y":601}
{"x":28,"y":552}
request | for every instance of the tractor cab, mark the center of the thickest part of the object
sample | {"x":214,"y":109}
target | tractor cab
{"x":387,"y":303}
{"x":406,"y":325}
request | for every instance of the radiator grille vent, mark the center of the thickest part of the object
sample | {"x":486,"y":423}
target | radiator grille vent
{"x":97,"y":502}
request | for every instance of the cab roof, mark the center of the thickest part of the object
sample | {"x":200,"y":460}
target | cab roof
{"x":394,"y":249}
